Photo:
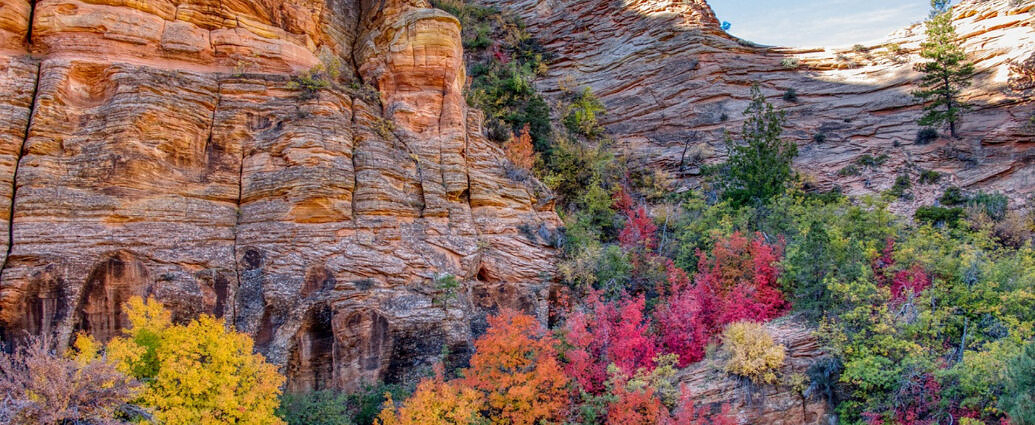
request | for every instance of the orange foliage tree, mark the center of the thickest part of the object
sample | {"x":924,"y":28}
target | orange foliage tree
{"x":519,"y":149}
{"x":515,"y":364}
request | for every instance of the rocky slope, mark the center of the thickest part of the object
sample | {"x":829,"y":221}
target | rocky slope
{"x":673,"y":82}
{"x":159,"y":148}
{"x":763,"y":404}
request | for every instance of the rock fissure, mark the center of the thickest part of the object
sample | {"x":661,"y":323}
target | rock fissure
{"x":17,"y":163}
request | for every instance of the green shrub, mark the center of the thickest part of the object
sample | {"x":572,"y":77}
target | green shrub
{"x":900,"y":188}
{"x":791,"y":95}
{"x":1018,"y":400}
{"x":953,"y":196}
{"x":581,"y":117}
{"x":849,"y":170}
{"x":926,"y":135}
{"x":789,"y":63}
{"x":309,"y":83}
{"x":824,"y":375}
{"x":929,"y":177}
{"x":819,"y":137}
{"x":330,"y":407}
{"x":992,"y":204}
{"x":871,"y":161}
{"x":939,"y":216}
{"x":315,"y":408}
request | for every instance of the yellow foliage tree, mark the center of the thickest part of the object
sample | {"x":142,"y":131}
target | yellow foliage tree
{"x":199,"y":373}
{"x":752,"y":352}
{"x":436,"y":402}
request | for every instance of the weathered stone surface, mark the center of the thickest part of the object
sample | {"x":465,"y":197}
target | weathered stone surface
{"x":763,"y":404}
{"x":673,"y":83}
{"x":321,"y":222}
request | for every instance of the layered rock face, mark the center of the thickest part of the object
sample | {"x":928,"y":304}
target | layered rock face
{"x":159,"y":148}
{"x":764,"y":404}
{"x":673,"y":82}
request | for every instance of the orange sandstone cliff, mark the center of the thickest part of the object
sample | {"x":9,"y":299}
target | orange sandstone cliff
{"x":159,"y":148}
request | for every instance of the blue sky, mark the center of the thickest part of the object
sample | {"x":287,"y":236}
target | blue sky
{"x":813,"y":23}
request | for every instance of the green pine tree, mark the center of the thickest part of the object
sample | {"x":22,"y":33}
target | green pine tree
{"x":1018,"y":400}
{"x":945,"y":75}
{"x":759,"y":168}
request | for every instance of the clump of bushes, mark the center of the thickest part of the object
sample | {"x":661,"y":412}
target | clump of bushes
{"x":330,"y":407}
{"x":849,"y":170}
{"x":952,"y":196}
{"x":993,"y":205}
{"x":939,"y":216}
{"x":872,"y":161}
{"x":503,"y":61}
{"x":752,"y":352}
{"x":40,"y":388}
{"x":926,"y":135}
{"x":789,"y":63}
{"x":819,"y":137}
{"x":581,"y":117}
{"x":929,"y":177}
{"x":791,"y":95}
{"x":900,"y":188}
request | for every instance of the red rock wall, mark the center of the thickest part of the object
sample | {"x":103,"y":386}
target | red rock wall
{"x":156,"y":148}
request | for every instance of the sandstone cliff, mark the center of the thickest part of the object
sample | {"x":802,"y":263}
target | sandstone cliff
{"x":159,"y":148}
{"x":673,"y":82}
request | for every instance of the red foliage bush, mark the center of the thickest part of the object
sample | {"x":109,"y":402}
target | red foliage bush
{"x":608,"y":332}
{"x":739,"y":281}
{"x":914,"y":280}
{"x":682,"y":328}
{"x":639,"y":232}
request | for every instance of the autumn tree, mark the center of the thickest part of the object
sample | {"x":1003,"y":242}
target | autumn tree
{"x":752,"y":352}
{"x":608,"y":332}
{"x":946,"y":73}
{"x":519,"y":150}
{"x":40,"y":388}
{"x":681,"y":325}
{"x":435,"y":402}
{"x":199,"y":373}
{"x":635,"y":405}
{"x":515,"y":365}
{"x":738,"y":281}
{"x":759,"y":166}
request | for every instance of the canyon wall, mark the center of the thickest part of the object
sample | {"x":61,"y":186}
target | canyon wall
{"x":160,"y":148}
{"x":673,"y":83}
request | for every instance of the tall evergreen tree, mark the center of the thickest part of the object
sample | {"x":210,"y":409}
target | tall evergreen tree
{"x":759,"y":167}
{"x":1018,"y":401}
{"x":946,"y":73}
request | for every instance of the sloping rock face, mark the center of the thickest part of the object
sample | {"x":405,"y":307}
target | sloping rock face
{"x":751,"y":403}
{"x":158,"y":148}
{"x":673,"y":82}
